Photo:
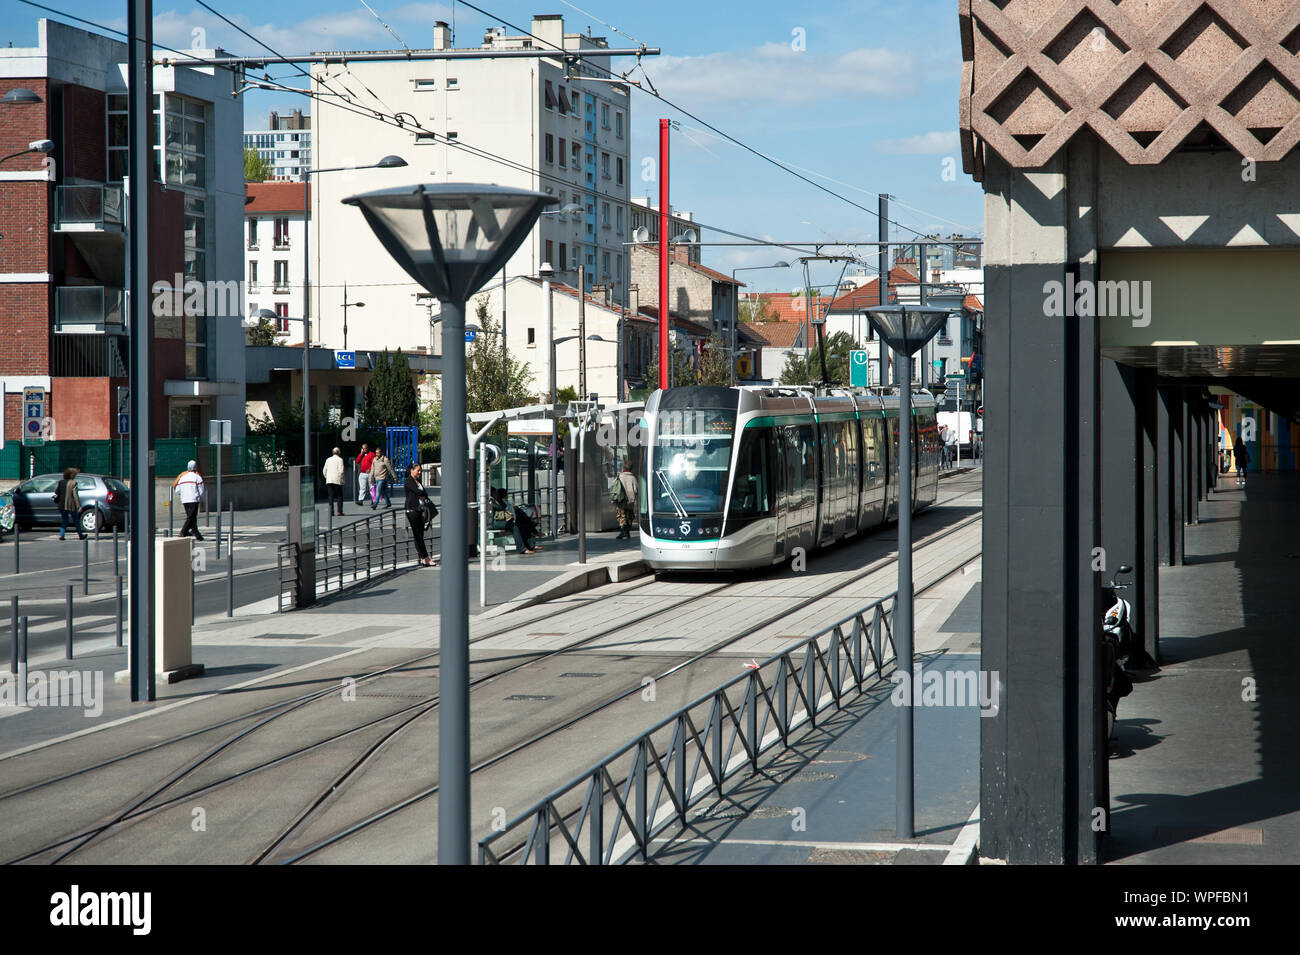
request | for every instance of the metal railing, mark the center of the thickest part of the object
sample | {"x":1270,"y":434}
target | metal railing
{"x":93,"y":204}
{"x":352,"y":554}
{"x":612,"y":812}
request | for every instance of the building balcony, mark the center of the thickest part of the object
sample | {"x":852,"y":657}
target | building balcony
{"x":253,"y":245}
{"x":88,"y":356}
{"x":87,"y":309}
{"x":280,"y":244}
{"x":90,"y":208}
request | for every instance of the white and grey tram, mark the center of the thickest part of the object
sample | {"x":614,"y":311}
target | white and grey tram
{"x":740,"y":477}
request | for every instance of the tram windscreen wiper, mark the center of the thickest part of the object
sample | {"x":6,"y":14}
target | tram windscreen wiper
{"x":672,"y":494}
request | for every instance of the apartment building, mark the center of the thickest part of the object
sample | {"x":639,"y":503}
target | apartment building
{"x":274,"y":223}
{"x":523,"y":122}
{"x":285,"y":145}
{"x":63,"y":316}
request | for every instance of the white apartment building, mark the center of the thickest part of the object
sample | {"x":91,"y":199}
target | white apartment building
{"x":273,"y":244}
{"x":566,"y":136}
{"x":285,"y":145}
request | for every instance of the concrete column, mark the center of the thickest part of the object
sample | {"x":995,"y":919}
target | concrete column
{"x":1121,"y":467}
{"x":1190,"y":510}
{"x":1172,"y":404}
{"x":1147,"y":611}
{"x":1043,"y":763}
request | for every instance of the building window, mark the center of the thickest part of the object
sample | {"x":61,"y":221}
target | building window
{"x":550,"y":250}
{"x":252,"y":274}
{"x":576,"y":155}
{"x":618,"y":262}
{"x":424,"y":85}
{"x":564,"y":266}
{"x":117,"y":130}
{"x":550,"y":94}
{"x":618,"y":124}
{"x":252,"y":233}
{"x":618,"y":216}
{"x":564,"y":101}
{"x":604,"y":165}
{"x":564,"y":154}
{"x":282,"y":275}
{"x":604,"y":115}
{"x":550,"y":148}
{"x":618,"y":166}
{"x":282,"y":309}
{"x":532,"y":336}
{"x":281,"y":240}
{"x":604,"y":215}
{"x":453,"y":83}
{"x":604,"y":263}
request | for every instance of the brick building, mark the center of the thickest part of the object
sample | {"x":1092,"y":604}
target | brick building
{"x":64,"y":321}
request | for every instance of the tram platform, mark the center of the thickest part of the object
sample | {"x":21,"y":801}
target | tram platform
{"x":1205,"y":767}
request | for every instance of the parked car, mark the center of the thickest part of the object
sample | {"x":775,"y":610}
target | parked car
{"x":104,"y":501}
{"x":6,"y":514}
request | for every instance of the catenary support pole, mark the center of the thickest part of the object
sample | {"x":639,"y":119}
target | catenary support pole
{"x":140,"y":159}
{"x":903,"y":602}
{"x":665,"y":356}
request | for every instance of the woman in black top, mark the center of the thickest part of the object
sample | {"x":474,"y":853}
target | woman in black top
{"x":417,"y":499}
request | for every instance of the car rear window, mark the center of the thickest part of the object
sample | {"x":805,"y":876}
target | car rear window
{"x":114,"y":484}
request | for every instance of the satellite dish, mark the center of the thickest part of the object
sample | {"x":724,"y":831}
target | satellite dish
{"x":642,"y":234}
{"x":689,"y":236}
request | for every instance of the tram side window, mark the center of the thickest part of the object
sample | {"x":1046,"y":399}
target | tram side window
{"x":808,"y":461}
{"x":751,"y":493}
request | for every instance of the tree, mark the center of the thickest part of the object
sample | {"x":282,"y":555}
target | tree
{"x":757,"y":310}
{"x":838,"y":346}
{"x":263,"y":333}
{"x":494,"y":379}
{"x":683,"y":374}
{"x":256,"y":169}
{"x":390,"y":397}
{"x":715,"y":364}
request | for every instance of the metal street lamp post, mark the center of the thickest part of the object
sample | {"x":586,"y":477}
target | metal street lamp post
{"x":905,"y":329}
{"x":388,"y":162}
{"x":346,"y":306}
{"x":452,"y":238}
{"x":735,"y":307}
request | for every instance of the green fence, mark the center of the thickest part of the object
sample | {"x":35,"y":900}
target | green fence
{"x":254,"y":455}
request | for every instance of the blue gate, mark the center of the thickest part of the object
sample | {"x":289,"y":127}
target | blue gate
{"x":403,"y":448}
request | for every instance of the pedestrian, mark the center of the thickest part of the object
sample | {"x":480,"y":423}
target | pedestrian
{"x":1242,"y":457}
{"x":420,"y":512}
{"x":944,"y":460}
{"x":188,"y":486}
{"x":623,"y":495}
{"x":382,"y":476}
{"x":950,"y":444}
{"x":65,"y":492}
{"x":503,"y":517}
{"x":364,"y":459}
{"x":334,"y":481}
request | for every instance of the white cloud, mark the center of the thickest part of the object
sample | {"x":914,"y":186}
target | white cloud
{"x":774,"y":73}
{"x":942,"y":143}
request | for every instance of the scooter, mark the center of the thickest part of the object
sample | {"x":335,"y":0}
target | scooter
{"x":1117,"y":639}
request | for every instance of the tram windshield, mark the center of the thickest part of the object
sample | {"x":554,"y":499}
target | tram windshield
{"x":692,"y":455}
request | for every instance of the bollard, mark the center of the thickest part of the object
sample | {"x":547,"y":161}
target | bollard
{"x":67,"y":626}
{"x":218,"y":555}
{"x":171,"y":519}
{"x":116,"y":568}
{"x":22,"y":663}
{"x":18,"y":536}
{"x":192,"y":587}
{"x":119,"y":610}
{"x":13,"y":634}
{"x":331,"y":517}
{"x":340,"y":560}
{"x":85,"y":567}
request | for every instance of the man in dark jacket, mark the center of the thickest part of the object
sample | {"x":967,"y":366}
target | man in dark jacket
{"x":65,"y":495}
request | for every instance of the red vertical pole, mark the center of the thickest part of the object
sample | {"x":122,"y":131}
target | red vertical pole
{"x":665,"y":356}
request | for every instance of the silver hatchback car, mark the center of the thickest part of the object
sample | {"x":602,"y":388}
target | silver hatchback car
{"x":104,"y":502}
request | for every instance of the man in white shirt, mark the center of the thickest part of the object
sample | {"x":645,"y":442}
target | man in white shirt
{"x":188,"y":486}
{"x":333,"y":472}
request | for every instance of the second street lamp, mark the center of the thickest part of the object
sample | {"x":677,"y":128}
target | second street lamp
{"x":452,"y":238}
{"x":905,"y":329}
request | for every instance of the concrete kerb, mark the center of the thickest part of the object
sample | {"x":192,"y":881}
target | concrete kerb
{"x":581,"y":577}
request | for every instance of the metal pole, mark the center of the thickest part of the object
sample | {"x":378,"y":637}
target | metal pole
{"x":119,"y":610}
{"x":13,"y":633}
{"x":582,"y":332}
{"x":482,"y":525}
{"x":453,"y":724}
{"x":18,"y":533}
{"x":141,"y":557}
{"x":230,"y":565}
{"x":85,"y":567}
{"x":735,"y":315}
{"x":581,"y":485}
{"x":665,"y":356}
{"x":117,"y":570}
{"x":505,"y":355}
{"x":306,"y":325}
{"x":22,"y":662}
{"x":903,"y":603}
{"x":555,"y":448}
{"x":882,"y":265}
{"x":67,"y":622}
{"x":218,"y":449}
{"x":171,"y":515}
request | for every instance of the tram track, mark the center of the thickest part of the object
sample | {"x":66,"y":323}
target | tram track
{"x":148,"y":804}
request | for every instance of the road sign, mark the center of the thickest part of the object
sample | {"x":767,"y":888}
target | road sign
{"x":124,"y":424}
{"x":34,"y":416}
{"x":219,"y":431}
{"x":471,"y":334}
{"x":957,"y":374}
{"x":345,"y":359}
{"x":123,"y":400}
{"x":859,"y":363}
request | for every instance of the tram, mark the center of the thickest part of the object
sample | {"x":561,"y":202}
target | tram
{"x":733,"y":478}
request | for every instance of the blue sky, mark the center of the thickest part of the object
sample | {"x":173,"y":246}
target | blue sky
{"x":861,"y":91}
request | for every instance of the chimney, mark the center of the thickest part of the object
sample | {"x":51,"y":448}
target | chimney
{"x":275,"y":120}
{"x":441,"y":35}
{"x":550,"y":29}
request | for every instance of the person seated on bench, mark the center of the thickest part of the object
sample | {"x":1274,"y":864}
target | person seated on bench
{"x":504,"y":518}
